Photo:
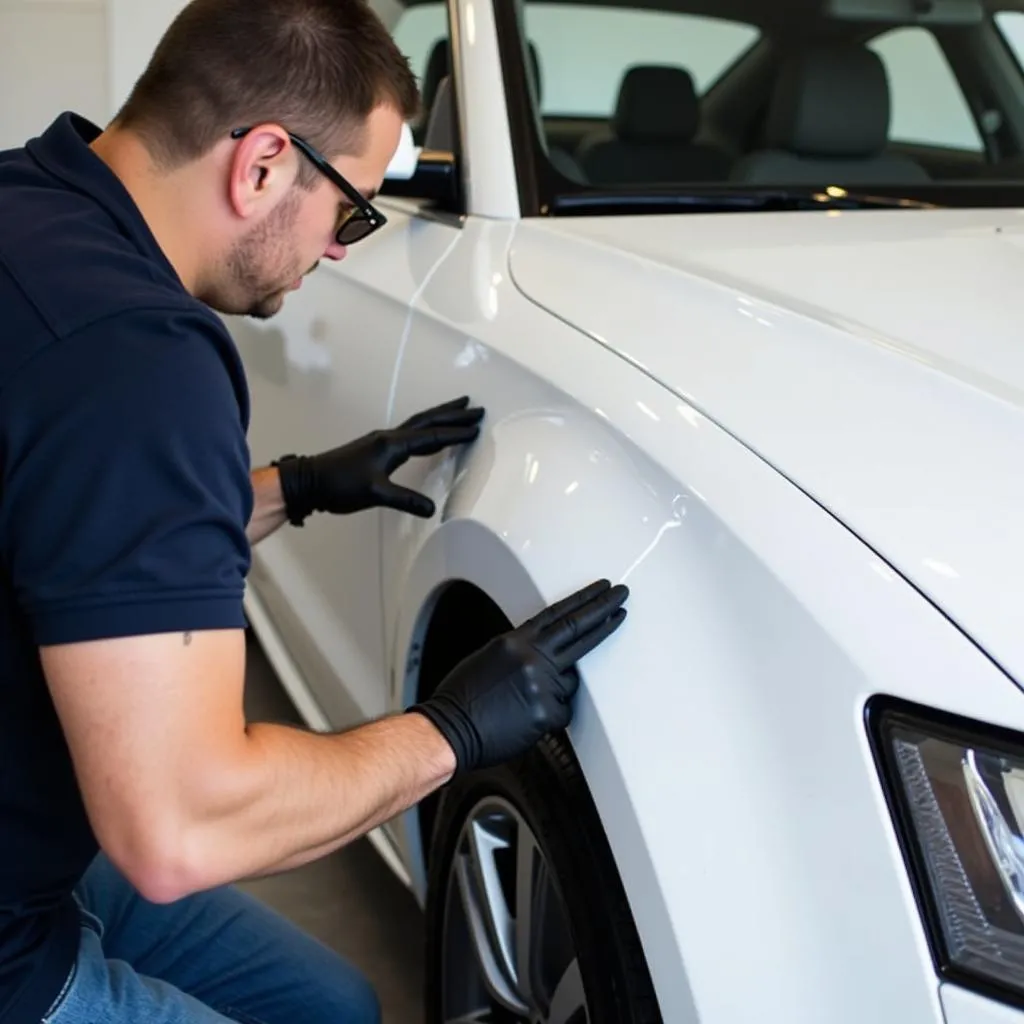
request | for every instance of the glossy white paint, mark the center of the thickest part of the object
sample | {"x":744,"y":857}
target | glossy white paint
{"x":899,"y":408}
{"x":967,"y":1008}
{"x":723,"y":413}
{"x":741,"y":661}
{"x":490,"y":179}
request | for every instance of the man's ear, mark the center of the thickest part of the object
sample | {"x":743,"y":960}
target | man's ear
{"x":262,"y":170}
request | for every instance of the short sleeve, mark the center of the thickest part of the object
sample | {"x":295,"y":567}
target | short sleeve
{"x":126,"y":488}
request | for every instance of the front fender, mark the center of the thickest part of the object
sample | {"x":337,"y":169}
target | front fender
{"x":720,"y":730}
{"x":546,"y":502}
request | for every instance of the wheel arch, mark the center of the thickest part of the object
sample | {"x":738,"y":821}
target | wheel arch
{"x":459,"y":619}
{"x":508,"y":540}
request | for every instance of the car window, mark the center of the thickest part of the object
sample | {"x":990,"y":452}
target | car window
{"x":416,"y":32}
{"x":928,"y":106}
{"x":1011,"y":27}
{"x":584,"y":50}
{"x":580,"y":51}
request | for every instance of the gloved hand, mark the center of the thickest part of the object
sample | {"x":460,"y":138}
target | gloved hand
{"x":498,"y":702}
{"x":355,"y":477}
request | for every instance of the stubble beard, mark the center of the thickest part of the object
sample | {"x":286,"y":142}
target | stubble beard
{"x":261,"y":267}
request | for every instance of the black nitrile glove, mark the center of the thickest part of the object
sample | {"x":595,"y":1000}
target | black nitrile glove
{"x":498,"y":702}
{"x":356,"y":476}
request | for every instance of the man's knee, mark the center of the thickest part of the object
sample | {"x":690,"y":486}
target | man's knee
{"x":329,"y":987}
{"x":354,"y":999}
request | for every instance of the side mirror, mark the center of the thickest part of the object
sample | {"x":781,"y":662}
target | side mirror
{"x":433,"y":179}
{"x":403,"y":163}
{"x":422,"y":173}
{"x":434,"y":175}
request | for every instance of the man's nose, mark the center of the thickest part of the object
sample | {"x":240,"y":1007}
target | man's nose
{"x":335,"y":251}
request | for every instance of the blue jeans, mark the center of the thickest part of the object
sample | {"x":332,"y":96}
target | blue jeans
{"x":208,"y":959}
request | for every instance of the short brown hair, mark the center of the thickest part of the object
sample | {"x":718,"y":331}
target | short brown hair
{"x":316,"y":67}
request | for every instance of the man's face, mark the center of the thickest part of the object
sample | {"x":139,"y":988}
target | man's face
{"x":272,"y":257}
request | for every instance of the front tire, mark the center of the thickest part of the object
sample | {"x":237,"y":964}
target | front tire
{"x":527,"y":922}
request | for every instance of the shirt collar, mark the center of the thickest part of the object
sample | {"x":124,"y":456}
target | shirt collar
{"x":63,"y":150}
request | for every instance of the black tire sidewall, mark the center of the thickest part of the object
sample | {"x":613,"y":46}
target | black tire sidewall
{"x":547,"y":788}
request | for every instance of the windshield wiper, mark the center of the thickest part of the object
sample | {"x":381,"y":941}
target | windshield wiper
{"x":724,"y":201}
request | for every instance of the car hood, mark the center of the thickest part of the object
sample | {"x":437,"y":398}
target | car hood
{"x":875,"y":358}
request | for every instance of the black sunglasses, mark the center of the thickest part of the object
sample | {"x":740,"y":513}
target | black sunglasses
{"x":361,"y":218}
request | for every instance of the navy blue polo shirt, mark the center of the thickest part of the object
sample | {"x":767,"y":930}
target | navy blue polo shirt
{"x":124,"y":498}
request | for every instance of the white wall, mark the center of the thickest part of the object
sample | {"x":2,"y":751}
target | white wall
{"x":53,"y":57}
{"x":135,"y":27}
{"x":81,"y":55}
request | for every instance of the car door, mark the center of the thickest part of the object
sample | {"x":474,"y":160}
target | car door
{"x":320,"y":374}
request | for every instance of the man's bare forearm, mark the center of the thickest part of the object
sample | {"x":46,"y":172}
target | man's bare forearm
{"x":268,"y":513}
{"x":297,"y":796}
{"x":183,"y":795}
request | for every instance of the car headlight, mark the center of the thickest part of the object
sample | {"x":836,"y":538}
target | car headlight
{"x":956,"y":789}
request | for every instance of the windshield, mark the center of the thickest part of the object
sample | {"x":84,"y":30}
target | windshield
{"x":665,"y":103}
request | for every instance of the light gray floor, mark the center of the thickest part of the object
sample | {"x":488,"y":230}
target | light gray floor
{"x":349,"y":900}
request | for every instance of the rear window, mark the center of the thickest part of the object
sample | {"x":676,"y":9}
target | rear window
{"x":584,"y":50}
{"x":928,"y":105}
{"x":418,"y":29}
{"x":1011,"y":25}
{"x":921,"y":126}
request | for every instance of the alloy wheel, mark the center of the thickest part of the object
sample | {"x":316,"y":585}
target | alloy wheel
{"x":507,"y":950}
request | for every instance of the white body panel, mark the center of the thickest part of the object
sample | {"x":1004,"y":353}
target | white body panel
{"x":899,"y":408}
{"x":490,"y":181}
{"x":322,"y":581}
{"x":802,"y":478}
{"x":740,"y":651}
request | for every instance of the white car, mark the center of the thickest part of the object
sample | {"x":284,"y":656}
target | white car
{"x":739,"y":285}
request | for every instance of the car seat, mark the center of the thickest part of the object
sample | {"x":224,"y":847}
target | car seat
{"x":439,"y":67}
{"x":652,"y":131}
{"x":439,"y":133}
{"x":828,"y":122}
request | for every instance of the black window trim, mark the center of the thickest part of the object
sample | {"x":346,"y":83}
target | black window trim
{"x":527,"y":150}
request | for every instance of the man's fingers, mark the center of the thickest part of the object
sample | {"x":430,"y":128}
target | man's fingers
{"x":566,"y":606}
{"x":452,"y":418}
{"x":402,"y":499}
{"x":413,"y":421}
{"x":578,"y":623}
{"x":568,"y":656}
{"x":451,"y":414}
{"x":433,"y":440}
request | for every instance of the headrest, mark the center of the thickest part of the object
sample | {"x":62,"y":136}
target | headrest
{"x":535,"y":71}
{"x":830,"y":101}
{"x":439,"y":65}
{"x":656,"y":104}
{"x":440,"y":133}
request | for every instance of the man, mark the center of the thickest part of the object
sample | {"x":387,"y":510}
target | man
{"x":132,"y":791}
